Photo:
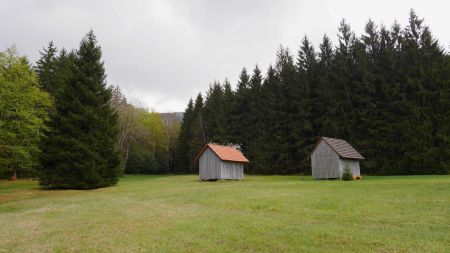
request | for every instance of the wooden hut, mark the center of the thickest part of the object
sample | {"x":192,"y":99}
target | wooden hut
{"x":220,"y":162}
{"x":331,"y":157}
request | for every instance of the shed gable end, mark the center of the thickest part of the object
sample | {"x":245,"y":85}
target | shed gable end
{"x":325,"y":162}
{"x":209,"y":165}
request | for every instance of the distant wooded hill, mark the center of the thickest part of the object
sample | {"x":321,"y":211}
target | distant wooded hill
{"x":168,"y":115}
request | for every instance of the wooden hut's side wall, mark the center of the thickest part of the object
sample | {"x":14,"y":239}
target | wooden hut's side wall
{"x":325,"y":162}
{"x":209,"y":165}
{"x":231,"y":170}
{"x":353,"y":165}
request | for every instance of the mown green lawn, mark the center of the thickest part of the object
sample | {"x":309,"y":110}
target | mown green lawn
{"x":259,"y":214}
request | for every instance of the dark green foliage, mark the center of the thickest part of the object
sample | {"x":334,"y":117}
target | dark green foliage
{"x":213,"y":116}
{"x":184,"y":141}
{"x":240,"y":113}
{"x":192,"y":136}
{"x":387,"y":92}
{"x":198,"y":132}
{"x":347,"y":175}
{"x":140,"y":161}
{"x":46,"y":67}
{"x":79,"y":150}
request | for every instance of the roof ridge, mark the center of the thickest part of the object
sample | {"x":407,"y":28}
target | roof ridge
{"x":341,"y":147}
{"x":224,"y":153}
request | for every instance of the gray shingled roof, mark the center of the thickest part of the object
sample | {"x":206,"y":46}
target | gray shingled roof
{"x":343,"y":148}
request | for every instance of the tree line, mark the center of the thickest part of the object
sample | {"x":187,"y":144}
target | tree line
{"x":62,"y":123}
{"x":386,"y":91}
{"x":147,"y":140}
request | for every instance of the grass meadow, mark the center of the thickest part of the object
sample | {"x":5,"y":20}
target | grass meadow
{"x":259,"y":214}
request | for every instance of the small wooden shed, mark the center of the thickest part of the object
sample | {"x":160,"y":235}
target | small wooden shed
{"x":220,"y":162}
{"x":330,"y":157}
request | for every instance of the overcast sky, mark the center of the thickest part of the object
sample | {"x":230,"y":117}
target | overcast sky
{"x":163,"y":52}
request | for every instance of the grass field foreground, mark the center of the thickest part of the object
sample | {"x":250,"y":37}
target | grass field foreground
{"x":259,"y":214}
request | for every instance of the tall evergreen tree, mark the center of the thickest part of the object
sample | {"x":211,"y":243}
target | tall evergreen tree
{"x":53,"y":69}
{"x":79,"y":151}
{"x":309,"y":104}
{"x":239,"y":111}
{"x":198,"y":132}
{"x":46,"y":67}
{"x":271,"y":95}
{"x":214,"y":114}
{"x":421,"y":59}
{"x":343,"y":77}
{"x":228,"y":97}
{"x":185,"y":138}
{"x":323,"y":102}
{"x":256,"y":118}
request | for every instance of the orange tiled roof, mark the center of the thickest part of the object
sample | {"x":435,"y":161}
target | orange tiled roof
{"x":225,"y":153}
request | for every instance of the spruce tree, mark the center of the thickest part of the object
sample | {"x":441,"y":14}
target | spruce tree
{"x":213,"y":112}
{"x":79,"y":151}
{"x":256,"y":118}
{"x":185,"y":139}
{"x":228,"y":97}
{"x":291,"y":113}
{"x":198,"y":132}
{"x":46,"y":67}
{"x":272,"y":98}
{"x":309,"y":106}
{"x":324,"y":125}
{"x":54,"y":69}
{"x":239,"y":111}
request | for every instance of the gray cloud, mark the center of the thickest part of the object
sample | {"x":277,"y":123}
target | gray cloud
{"x":163,"y":52}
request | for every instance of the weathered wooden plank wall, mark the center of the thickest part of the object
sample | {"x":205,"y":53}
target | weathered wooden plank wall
{"x":325,"y":162}
{"x":232,"y":170}
{"x":353,"y":165}
{"x":209,"y":165}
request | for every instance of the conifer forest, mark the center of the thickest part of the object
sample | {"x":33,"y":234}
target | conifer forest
{"x":386,"y":91}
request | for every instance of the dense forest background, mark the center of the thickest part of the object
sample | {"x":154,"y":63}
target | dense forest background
{"x":386,"y":91}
